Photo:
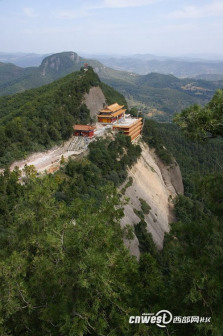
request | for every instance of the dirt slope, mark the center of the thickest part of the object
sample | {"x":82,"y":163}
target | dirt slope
{"x":157,"y":185}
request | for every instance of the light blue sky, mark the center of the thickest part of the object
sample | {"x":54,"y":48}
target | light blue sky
{"x":166,"y":27}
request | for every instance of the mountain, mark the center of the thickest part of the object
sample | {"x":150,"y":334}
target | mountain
{"x":39,"y":118}
{"x":51,"y":68}
{"x":15,"y":79}
{"x":157,"y":95}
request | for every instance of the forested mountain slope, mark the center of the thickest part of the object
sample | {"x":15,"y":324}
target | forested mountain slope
{"x":38,"y":118}
{"x":9,"y":72}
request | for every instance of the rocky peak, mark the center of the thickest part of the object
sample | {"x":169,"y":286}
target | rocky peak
{"x":60,"y":62}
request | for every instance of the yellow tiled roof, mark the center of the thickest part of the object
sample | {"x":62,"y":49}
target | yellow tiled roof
{"x":113,"y":114}
{"x":112,"y":108}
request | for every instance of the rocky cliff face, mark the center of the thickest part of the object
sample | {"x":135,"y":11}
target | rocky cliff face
{"x":61,"y":62}
{"x":158,"y":185}
{"x":95,"y":100}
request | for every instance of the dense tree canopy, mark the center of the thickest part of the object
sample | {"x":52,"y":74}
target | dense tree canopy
{"x":202,"y":123}
{"x":65,"y":271}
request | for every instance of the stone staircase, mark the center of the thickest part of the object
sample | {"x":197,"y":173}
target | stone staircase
{"x":78,"y":143}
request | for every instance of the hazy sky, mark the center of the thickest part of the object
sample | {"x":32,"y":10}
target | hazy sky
{"x":167,"y":27}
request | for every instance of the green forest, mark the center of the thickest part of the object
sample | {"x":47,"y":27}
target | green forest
{"x":64,"y":270}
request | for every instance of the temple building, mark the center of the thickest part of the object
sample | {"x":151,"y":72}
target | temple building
{"x":84,"y":130}
{"x":111,"y":114}
{"x":130,"y":126}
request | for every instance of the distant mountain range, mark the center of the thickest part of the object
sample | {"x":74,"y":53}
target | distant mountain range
{"x":157,"y":95}
{"x":144,"y":64}
{"x":22,"y":59}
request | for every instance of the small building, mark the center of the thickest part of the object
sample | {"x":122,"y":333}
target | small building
{"x":85,"y":67}
{"x":130,"y":126}
{"x":84,"y":130}
{"x":110,"y":114}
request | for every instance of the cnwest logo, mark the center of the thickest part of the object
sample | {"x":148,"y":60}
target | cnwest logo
{"x":164,"y":317}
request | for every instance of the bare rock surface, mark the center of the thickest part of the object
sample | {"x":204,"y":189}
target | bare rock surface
{"x":95,"y":100}
{"x":158,"y":185}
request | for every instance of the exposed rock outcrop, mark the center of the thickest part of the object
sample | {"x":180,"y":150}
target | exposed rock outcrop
{"x":158,"y":185}
{"x":62,"y":63}
{"x":94,"y":100}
